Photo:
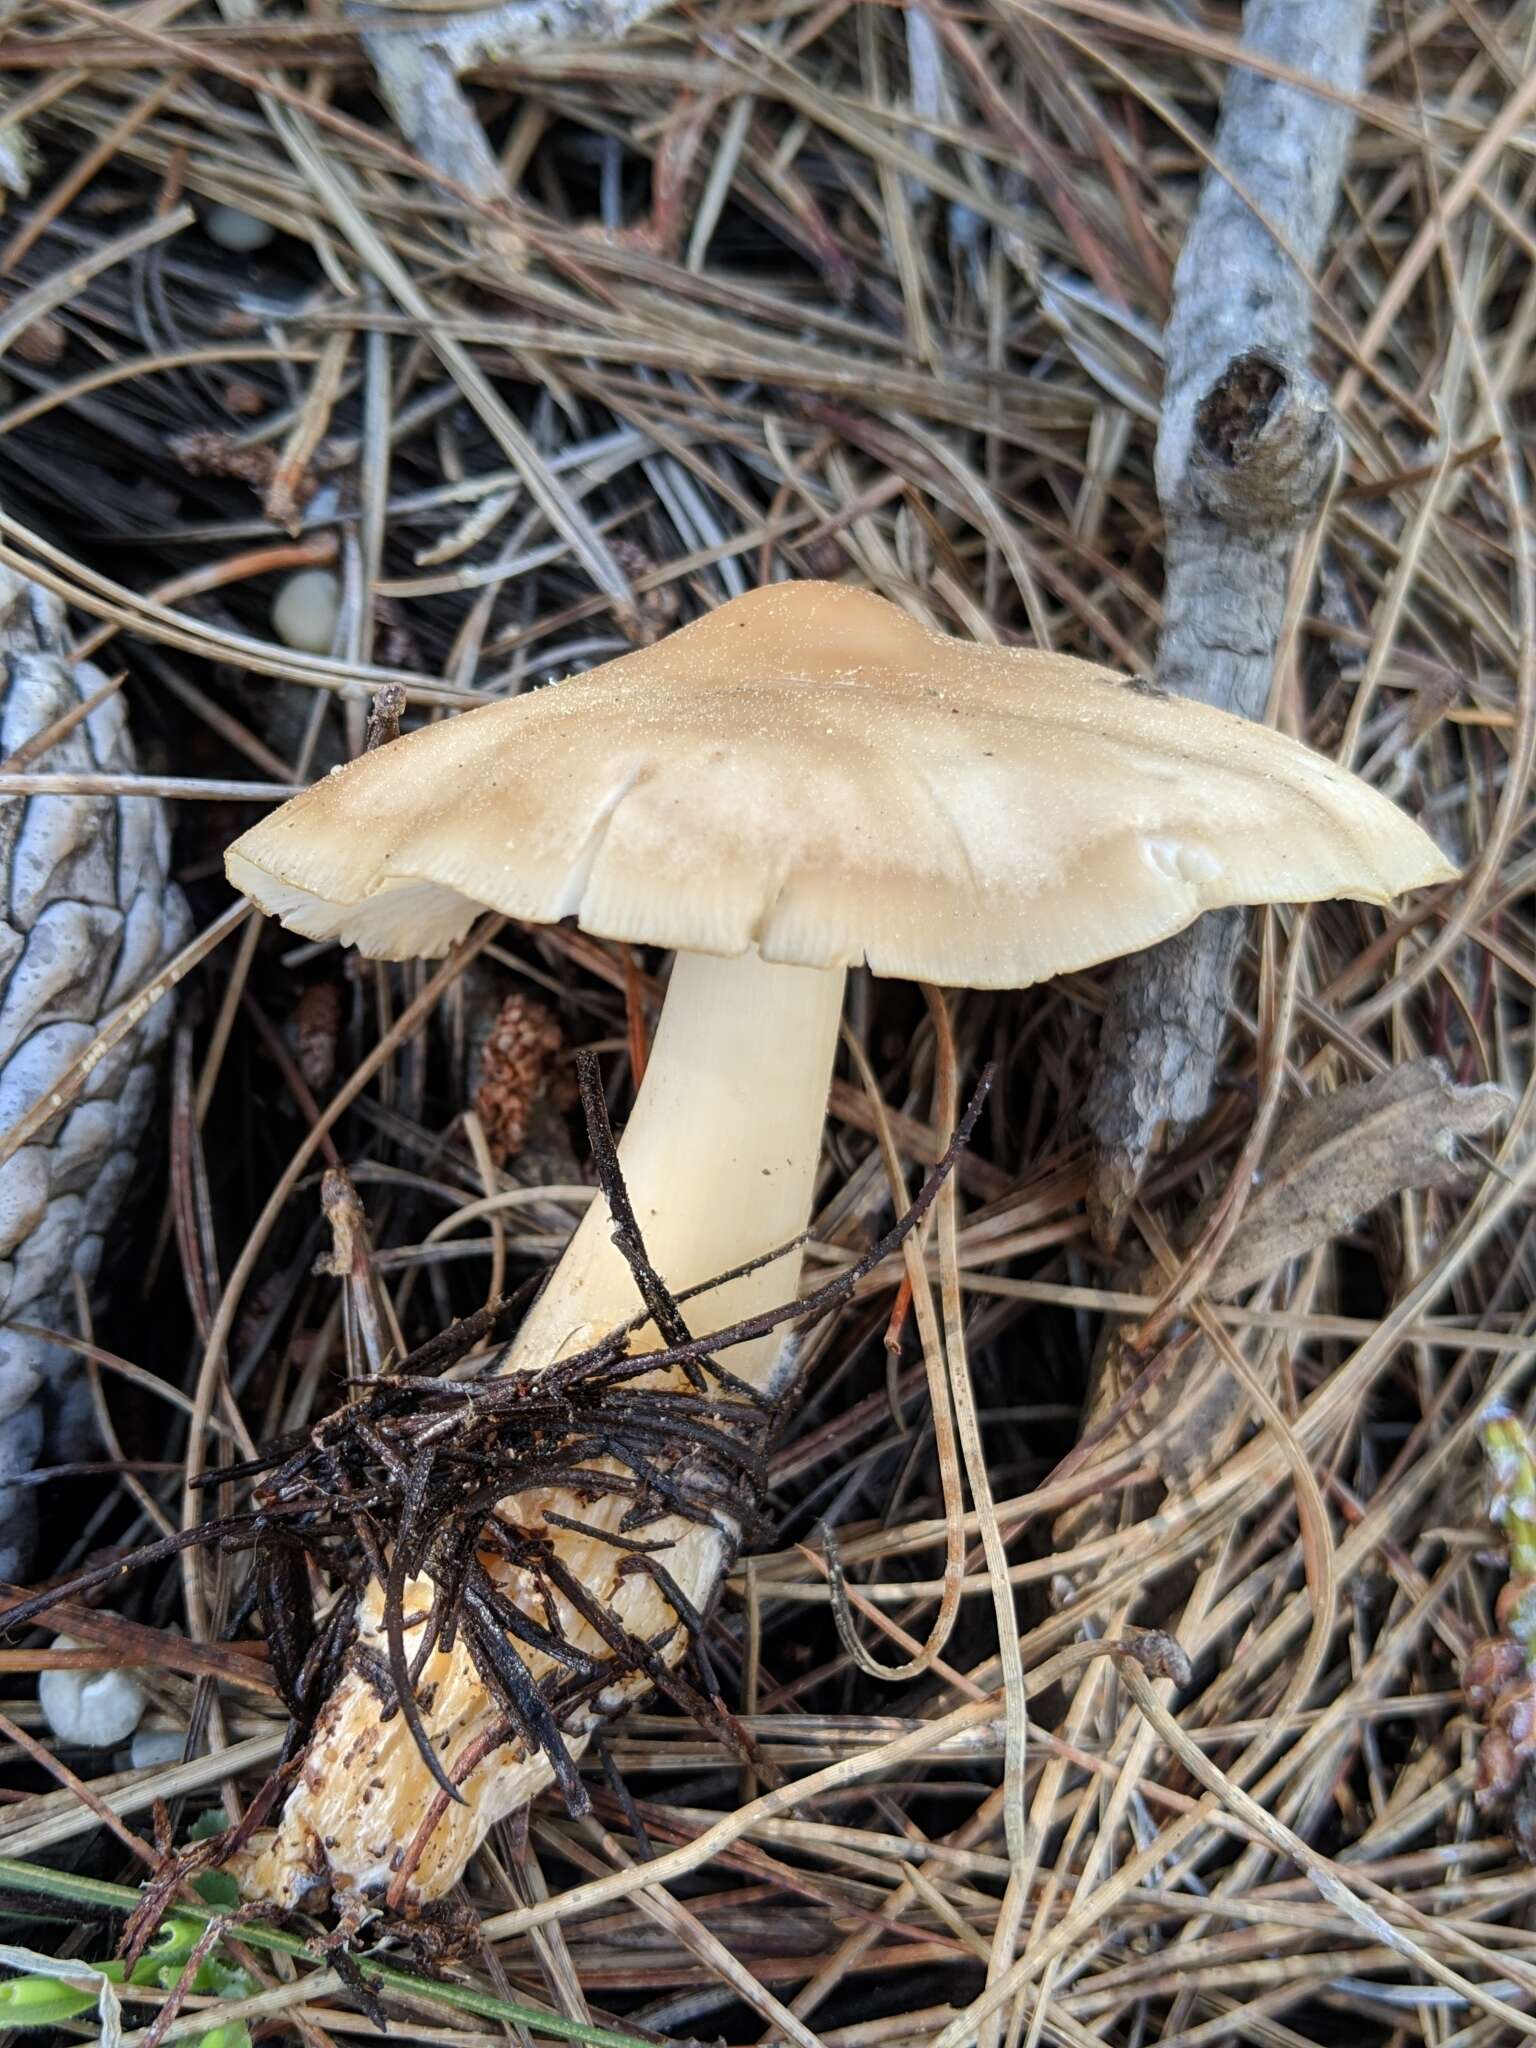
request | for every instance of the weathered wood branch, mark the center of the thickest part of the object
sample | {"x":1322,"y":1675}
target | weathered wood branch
{"x":1246,"y":446}
{"x":418,"y":60}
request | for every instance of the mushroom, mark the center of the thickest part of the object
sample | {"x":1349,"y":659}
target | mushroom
{"x":95,"y":1709}
{"x":802,"y":781}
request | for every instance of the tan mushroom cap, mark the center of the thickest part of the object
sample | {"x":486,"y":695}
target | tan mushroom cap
{"x":809,"y":771}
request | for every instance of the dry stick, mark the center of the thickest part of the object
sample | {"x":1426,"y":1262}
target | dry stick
{"x":1245,"y":450}
{"x":941,"y":1421}
{"x":418,"y":73}
{"x":60,"y":286}
{"x":181,"y":788}
{"x":1017,"y":1832}
{"x":35,"y":406}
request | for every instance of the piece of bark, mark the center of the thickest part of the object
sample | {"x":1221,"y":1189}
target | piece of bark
{"x":1246,"y":445}
{"x":1338,"y":1157}
{"x":1342,"y":1154}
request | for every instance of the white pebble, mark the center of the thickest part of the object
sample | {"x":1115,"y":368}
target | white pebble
{"x":93,"y":1708}
{"x":155,"y":1746}
{"x":232,"y":229}
{"x":305,"y":611}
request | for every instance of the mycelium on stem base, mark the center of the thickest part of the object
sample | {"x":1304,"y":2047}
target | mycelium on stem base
{"x":719,"y":1162}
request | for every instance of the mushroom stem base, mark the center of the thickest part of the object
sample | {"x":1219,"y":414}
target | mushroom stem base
{"x":719,"y":1159}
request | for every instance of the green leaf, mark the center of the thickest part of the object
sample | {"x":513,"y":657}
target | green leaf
{"x":226,"y":1980}
{"x":43,"y":2001}
{"x":213,"y":1979}
{"x":217,"y":1888}
{"x":236,"y":2036}
{"x":38,"y":1881}
{"x":168,"y":1949}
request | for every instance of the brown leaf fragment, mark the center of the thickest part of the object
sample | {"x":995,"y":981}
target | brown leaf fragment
{"x":1491,"y":1665}
{"x":1246,"y":447}
{"x":317,"y":1028}
{"x":1341,"y":1155}
{"x":1159,"y":1654}
{"x":1509,"y":1746}
{"x":207,"y":452}
{"x":1336,"y":1158}
{"x":659,"y":608}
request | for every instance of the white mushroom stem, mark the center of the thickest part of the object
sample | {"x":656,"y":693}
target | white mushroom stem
{"x":719,"y":1160}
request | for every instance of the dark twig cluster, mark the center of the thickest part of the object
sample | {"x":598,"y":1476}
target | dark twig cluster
{"x":421,"y":1477}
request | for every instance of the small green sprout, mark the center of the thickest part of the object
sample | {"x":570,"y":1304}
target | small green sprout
{"x":38,"y":2001}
